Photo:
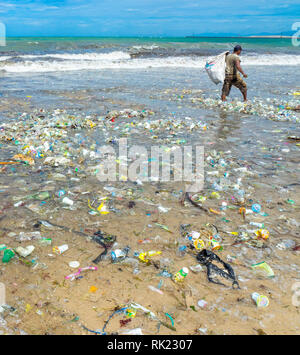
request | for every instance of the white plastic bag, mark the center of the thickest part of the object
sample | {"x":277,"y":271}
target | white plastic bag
{"x":216,"y":68}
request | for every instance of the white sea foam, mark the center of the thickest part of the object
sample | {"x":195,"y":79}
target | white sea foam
{"x":122,"y":60}
{"x":4,"y":58}
{"x":116,"y":55}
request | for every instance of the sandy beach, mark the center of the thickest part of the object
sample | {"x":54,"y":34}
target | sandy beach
{"x":58,"y":110}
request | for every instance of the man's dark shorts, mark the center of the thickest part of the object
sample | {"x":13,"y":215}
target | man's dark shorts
{"x":234,"y":80}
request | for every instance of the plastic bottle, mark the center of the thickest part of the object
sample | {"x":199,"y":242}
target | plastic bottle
{"x":181,"y":274}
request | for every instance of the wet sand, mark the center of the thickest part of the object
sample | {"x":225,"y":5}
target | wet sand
{"x":44,"y":302}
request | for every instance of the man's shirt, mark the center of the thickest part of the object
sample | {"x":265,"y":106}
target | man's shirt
{"x":231,"y":62}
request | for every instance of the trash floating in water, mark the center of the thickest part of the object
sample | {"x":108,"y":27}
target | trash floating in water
{"x":67,"y":162}
{"x":273,"y":109}
{"x":24,"y":159}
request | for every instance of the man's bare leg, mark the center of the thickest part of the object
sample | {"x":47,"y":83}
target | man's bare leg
{"x":245,"y":95}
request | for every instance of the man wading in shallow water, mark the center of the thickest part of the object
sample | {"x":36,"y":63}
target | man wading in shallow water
{"x":232,"y":77}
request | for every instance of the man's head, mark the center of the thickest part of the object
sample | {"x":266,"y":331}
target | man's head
{"x":237,"y":49}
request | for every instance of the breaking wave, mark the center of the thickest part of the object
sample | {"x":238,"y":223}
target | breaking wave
{"x":125,"y":60}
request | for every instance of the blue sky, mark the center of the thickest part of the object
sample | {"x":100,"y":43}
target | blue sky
{"x":147,"y":17}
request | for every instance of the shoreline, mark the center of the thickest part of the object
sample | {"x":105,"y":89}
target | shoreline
{"x":144,"y":217}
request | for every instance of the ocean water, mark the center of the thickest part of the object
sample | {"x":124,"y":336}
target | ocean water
{"x":94,"y":75}
{"x":71,"y":54}
{"x":36,"y":66}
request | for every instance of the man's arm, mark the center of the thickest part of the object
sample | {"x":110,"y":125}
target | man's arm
{"x":239,"y":68}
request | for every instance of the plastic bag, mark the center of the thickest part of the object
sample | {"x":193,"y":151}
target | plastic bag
{"x":216,"y":68}
{"x":207,"y":257}
{"x":106,"y":241}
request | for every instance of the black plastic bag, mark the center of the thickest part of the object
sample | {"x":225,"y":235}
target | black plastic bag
{"x":106,"y":241}
{"x":207,"y":257}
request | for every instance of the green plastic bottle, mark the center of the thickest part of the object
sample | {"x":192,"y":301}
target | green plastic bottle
{"x":181,"y":274}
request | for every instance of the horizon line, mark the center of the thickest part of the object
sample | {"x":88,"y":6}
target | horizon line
{"x":156,"y":36}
